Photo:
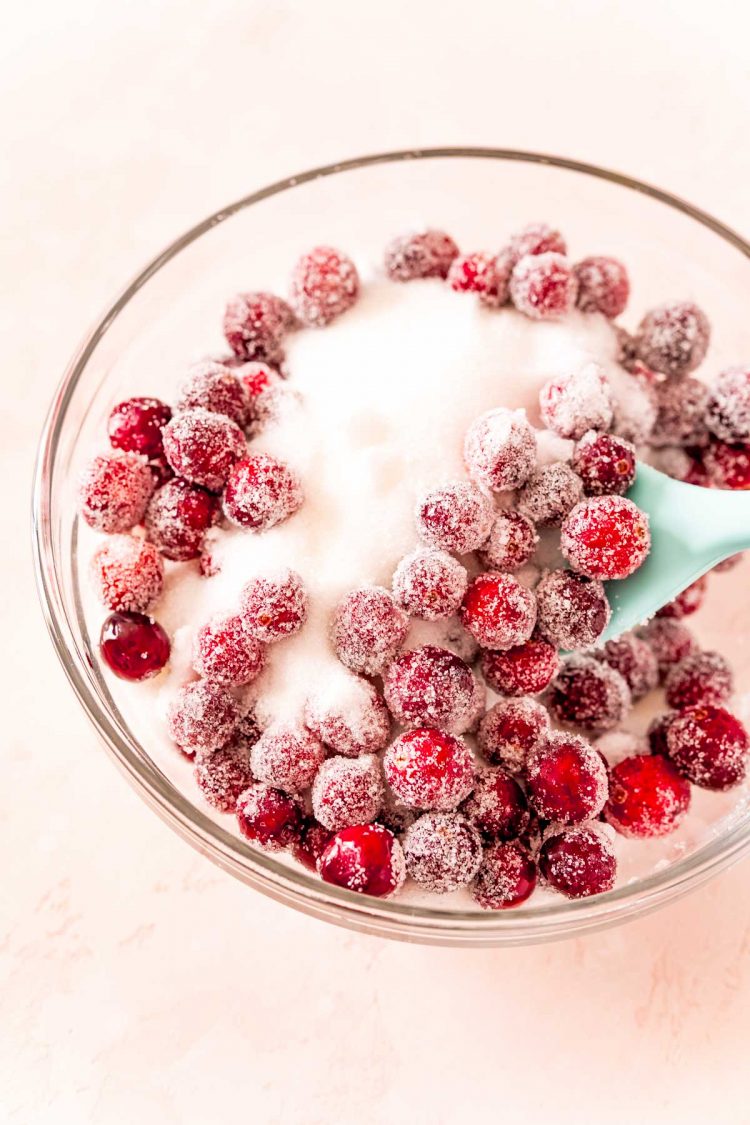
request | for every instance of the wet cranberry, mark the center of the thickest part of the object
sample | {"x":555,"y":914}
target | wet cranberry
{"x":506,"y":877}
{"x":135,"y":426}
{"x":536,"y":238}
{"x":709,"y":746}
{"x":687,"y":602}
{"x":729,"y":465}
{"x":430,"y":686}
{"x":214,"y":387}
{"x":702,"y":677}
{"x":127,"y":573}
{"x":510,"y":730}
{"x":543,"y":286}
{"x":287,"y":756}
{"x":728,"y":409}
{"x":422,"y":254}
{"x":572,"y":610}
{"x":133,"y":646}
{"x":573,"y":404}
{"x":500,"y":450}
{"x":442,"y":851}
{"x":579,"y":862}
{"x":603,"y":286}
{"x":225,"y":653}
{"x":455,"y":517}
{"x":606,"y":537}
{"x":647,"y":796}
{"x":497,"y":806}
{"x":550,"y":493}
{"x":589,"y":694}
{"x":368,"y":630}
{"x":113,"y":492}
{"x":202,"y":716}
{"x":479,"y":273}
{"x":634,"y":660}
{"x":429,"y":584}
{"x":309,"y":846}
{"x":261,"y":492}
{"x":255,"y":325}
{"x":221,"y":775}
{"x":511,"y":543}
{"x":270,"y":818}
{"x":429,"y":769}
{"x":365,"y":858}
{"x":178,"y":517}
{"x":522,"y":670}
{"x":566,"y":779}
{"x":669,"y":640}
{"x":498,"y":611}
{"x":348,"y":791}
{"x":605,"y":464}
{"x":673,"y":338}
{"x":354,"y":722}
{"x":202,"y":447}
{"x":274,"y":607}
{"x":325,"y":283}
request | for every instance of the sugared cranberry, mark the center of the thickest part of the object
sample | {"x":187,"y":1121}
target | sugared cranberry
{"x":506,"y":877}
{"x":669,"y":640}
{"x":309,"y":846}
{"x":579,"y":862}
{"x":135,"y":426}
{"x":287,"y":756}
{"x":202,"y":447}
{"x":510,"y":730}
{"x":212,"y":386}
{"x":127,"y":573}
{"x":647,"y":796}
{"x":248,"y":729}
{"x":603,"y":286}
{"x":572,"y":611}
{"x":265,"y":393}
{"x":657,"y":732}
{"x":499,"y":611}
{"x":114,"y":490}
{"x":605,"y":464}
{"x":429,"y":769}
{"x":479,"y":273}
{"x":522,"y":670}
{"x":269,"y":817}
{"x":354,"y":721}
{"x":543,"y":286}
{"x":442,"y":851}
{"x":178,"y":517}
{"x":497,"y":806}
{"x":325,"y":283}
{"x":161,"y":470}
{"x":422,"y":254}
{"x":606,"y":537}
{"x":274,"y":607}
{"x":368,"y":629}
{"x":455,"y":517}
{"x":221,"y":775}
{"x":395,"y":815}
{"x":728,"y":465}
{"x":589,"y":694}
{"x":571,"y":405}
{"x":687,"y":602}
{"x":430,"y":686}
{"x":550,"y":493}
{"x":365,"y":858}
{"x":511,"y":543}
{"x":566,"y":779}
{"x":673,"y":338}
{"x":728,"y":408}
{"x":536,"y":238}
{"x":134,"y":646}
{"x":429,"y":584}
{"x":225,"y":653}
{"x":202,"y":716}
{"x":702,"y":677}
{"x":634,"y":660}
{"x":500,"y":449}
{"x":709,"y":746}
{"x":681,"y":412}
{"x":255,"y":325}
{"x":261,"y":492}
{"x":348,"y":791}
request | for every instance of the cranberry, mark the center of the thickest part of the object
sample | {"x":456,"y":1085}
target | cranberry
{"x":702,"y":677}
{"x":589,"y":694}
{"x":500,"y":449}
{"x":512,"y":542}
{"x":499,"y":611}
{"x":497,"y":807}
{"x":442,"y":852}
{"x":127,"y":573}
{"x":634,"y":659}
{"x":673,"y":338}
{"x":603,"y":286}
{"x":178,"y":517}
{"x":255,"y":325}
{"x":510,"y":730}
{"x":214,"y":387}
{"x":114,"y":490}
{"x":223,"y":652}
{"x":506,"y":877}
{"x":325,"y":283}
{"x":550,"y":493}
{"x":455,"y":517}
{"x":133,"y":646}
{"x":274,"y":607}
{"x":202,"y":447}
{"x":135,"y":426}
{"x":221,"y":775}
{"x":161,"y":470}
{"x":368,"y":630}
{"x":479,"y":273}
{"x":728,"y":408}
{"x":429,"y":769}
{"x":566,"y":779}
{"x":579,"y":862}
{"x":571,"y":405}
{"x":395,"y":815}
{"x":423,"y":254}
{"x":354,"y":722}
{"x":669,"y":640}
{"x":709,"y":746}
{"x":647,"y":796}
{"x":430,"y":686}
{"x":729,"y":465}
{"x":687,"y":602}
{"x":365,"y":858}
{"x":536,"y":238}
{"x":429,"y":584}
{"x":309,"y":846}
{"x":265,"y":391}
{"x":543,"y":286}
{"x":573,"y":611}
{"x":657,"y":732}
{"x":261,"y":492}
{"x":606,"y":537}
{"x":270,"y":818}
{"x":202,"y":716}
{"x":287,"y":756}
{"x":248,"y":731}
{"x":605,"y":464}
{"x":681,"y":411}
{"x":348,"y":791}
{"x":522,"y":670}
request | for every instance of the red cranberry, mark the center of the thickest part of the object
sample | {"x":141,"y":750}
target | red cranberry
{"x":506,"y":877}
{"x":223,"y":652}
{"x":606,"y":537}
{"x":261,"y":492}
{"x":702,"y":677}
{"x":510,"y":730}
{"x":478,"y":273}
{"x":430,"y":686}
{"x":499,"y":611}
{"x":264,"y":391}
{"x":456,"y":517}
{"x":657,"y":732}
{"x":202,"y":716}
{"x":202,"y":447}
{"x":325,"y":283}
{"x":127,"y":573}
{"x":588,"y":694}
{"x":214,"y":387}
{"x":647,"y":796}
{"x":634,"y":660}
{"x":368,"y":630}
{"x":255,"y":325}
{"x":709,"y":746}
{"x":424,"y":254}
{"x":442,"y":852}
{"x":308,"y":848}
{"x":573,"y":611}
{"x":133,"y":646}
{"x":275,"y":607}
{"x":497,"y":806}
{"x":673,"y":338}
{"x":681,"y":411}
{"x":522,"y":670}
{"x":536,"y":238}
{"x":287,"y":756}
{"x":512,"y":542}
{"x":728,"y":410}
{"x":605,"y":464}
{"x":161,"y":470}
{"x":566,"y":779}
{"x":500,"y":449}
{"x":270,"y":818}
{"x":135,"y":426}
{"x":579,"y":862}
{"x":687,"y":602}
{"x":543,"y":286}
{"x":550,"y":493}
{"x":728,"y":465}
{"x":114,"y":490}
{"x":365,"y":858}
{"x":571,"y":405}
{"x":178,"y":517}
{"x":603,"y":286}
{"x":669,"y":640}
{"x":348,"y":791}
{"x":429,"y":769}
{"x":429,"y":584}
{"x":221,"y":775}
{"x":355,"y":721}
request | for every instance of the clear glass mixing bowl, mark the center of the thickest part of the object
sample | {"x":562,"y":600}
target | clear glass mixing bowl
{"x":672,"y":250}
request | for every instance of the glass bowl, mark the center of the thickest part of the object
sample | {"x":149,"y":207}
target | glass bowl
{"x":167,"y":315}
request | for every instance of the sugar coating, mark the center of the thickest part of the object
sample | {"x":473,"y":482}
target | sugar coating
{"x":224,"y":652}
{"x":728,"y":408}
{"x":113,"y":492}
{"x":550,"y":493}
{"x":709,"y":746}
{"x":543,"y":286}
{"x":511,"y":543}
{"x":483,"y":274}
{"x":500,"y":449}
{"x":635,"y":661}
{"x":214,"y":387}
{"x":647,"y":796}
{"x":349,"y":716}
{"x":287,"y":756}
{"x":673,"y":338}
{"x":454,"y":517}
{"x":430,"y":584}
{"x":202,"y":716}
{"x":368,"y":629}
{"x":510,"y":730}
{"x":497,"y":807}
{"x":325,"y":283}
{"x":605,"y":537}
{"x":221,"y":775}
{"x":127,"y":573}
{"x":669,"y":640}
{"x":603,"y":286}
{"x":702,"y":677}
{"x":576,"y":402}
{"x":572,"y":611}
{"x":681,"y":413}
{"x":429,"y":769}
{"x":255,"y":325}
{"x":274,"y":606}
{"x":431,"y":687}
{"x":580,"y":861}
{"x":588,"y":694}
{"x":260,"y":492}
{"x":348,"y":791}
{"x":498,"y":611}
{"x":177,"y":518}
{"x":535,"y":238}
{"x":566,"y":778}
{"x":442,"y":851}
{"x":202,"y":446}
{"x":419,"y":254}
{"x":506,"y":876}
{"x":522,"y":670}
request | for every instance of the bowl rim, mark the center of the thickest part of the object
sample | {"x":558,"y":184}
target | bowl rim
{"x":293,"y":885}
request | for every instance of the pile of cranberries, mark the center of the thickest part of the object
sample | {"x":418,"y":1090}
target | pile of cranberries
{"x":416,"y":775}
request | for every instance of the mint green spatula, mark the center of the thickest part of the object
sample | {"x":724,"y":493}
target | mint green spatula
{"x":692,"y":529}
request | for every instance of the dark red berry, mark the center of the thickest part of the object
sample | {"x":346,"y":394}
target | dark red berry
{"x":566,"y":779}
{"x":429,"y":584}
{"x":550,"y":493}
{"x":709,"y":746}
{"x":255,"y":325}
{"x":221,"y":775}
{"x":178,"y":517}
{"x":442,"y":851}
{"x":728,"y":409}
{"x":543,"y":286}
{"x":589,"y":694}
{"x":647,"y":796}
{"x":214,"y":387}
{"x":202,"y":716}
{"x":287,"y":756}
{"x":429,"y":769}
{"x":728,"y":465}
{"x":511,"y":543}
{"x":605,"y":464}
{"x":135,"y":426}
{"x":500,"y":450}
{"x":353,"y":721}
{"x":274,"y":607}
{"x":127,"y":573}
{"x":634,"y":660}
{"x":261,"y":492}
{"x":270,"y":818}
{"x":202,"y":447}
{"x":573,"y":404}
{"x":423,"y":254}
{"x":510,"y":730}
{"x":114,"y":490}
{"x":366,"y":858}
{"x":687,"y":602}
{"x":606,"y":537}
{"x":430,"y":686}
{"x":673,"y":338}
{"x":133,"y":646}
{"x":309,"y":846}
{"x":702,"y":677}
{"x":523,"y":670}
{"x":579,"y":862}
{"x":497,"y":806}
{"x":348,"y":791}
{"x":325,"y":283}
{"x":572,"y":610}
{"x":657,"y":732}
{"x":506,"y":877}
{"x":368,"y":629}
{"x":669,"y":640}
{"x":603,"y":286}
{"x":225,"y":653}
{"x":455,"y":517}
{"x":498,"y":611}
